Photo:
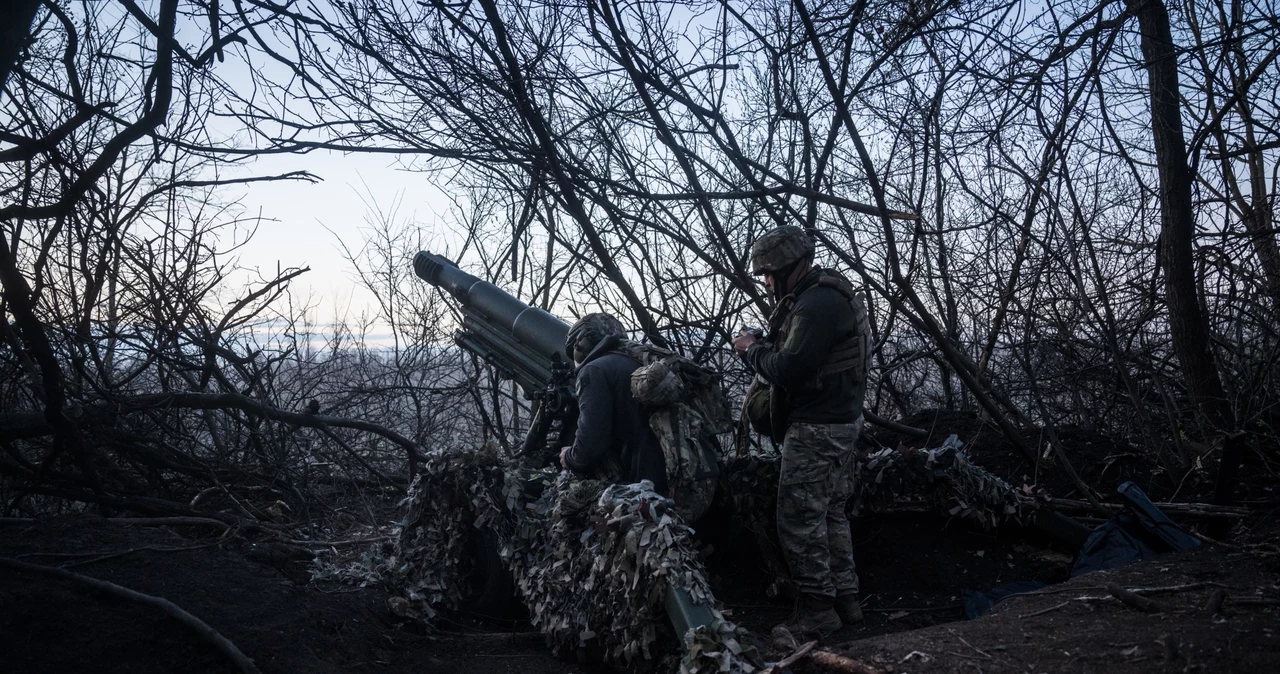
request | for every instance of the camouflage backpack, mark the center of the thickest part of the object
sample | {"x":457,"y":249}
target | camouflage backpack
{"x":687,"y":410}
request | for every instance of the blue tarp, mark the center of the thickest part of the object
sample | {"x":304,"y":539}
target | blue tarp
{"x":1141,"y":531}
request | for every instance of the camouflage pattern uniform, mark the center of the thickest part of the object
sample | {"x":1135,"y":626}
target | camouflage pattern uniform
{"x":816,"y":481}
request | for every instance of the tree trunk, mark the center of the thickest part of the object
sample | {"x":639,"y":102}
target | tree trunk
{"x":1188,"y":326}
{"x":15,"y":29}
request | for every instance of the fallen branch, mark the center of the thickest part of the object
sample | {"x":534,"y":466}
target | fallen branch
{"x":1044,"y":611}
{"x":170,"y":521}
{"x":792,"y":659}
{"x":1194,"y":509}
{"x":243,"y":662}
{"x":327,"y":544}
{"x":1135,"y":590}
{"x":1174,"y":588}
{"x":1215,"y":542}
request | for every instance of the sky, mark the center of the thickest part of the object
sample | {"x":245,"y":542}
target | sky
{"x":305,"y":224}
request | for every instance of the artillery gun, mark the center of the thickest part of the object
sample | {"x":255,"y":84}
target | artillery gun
{"x":526,"y":344}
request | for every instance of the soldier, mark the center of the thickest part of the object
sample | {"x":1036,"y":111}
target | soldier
{"x":614,"y":441}
{"x":811,"y":379}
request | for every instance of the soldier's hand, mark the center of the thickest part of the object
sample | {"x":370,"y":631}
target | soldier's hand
{"x":564,"y":453}
{"x":743,"y":341}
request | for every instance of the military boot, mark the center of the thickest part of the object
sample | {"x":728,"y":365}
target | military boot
{"x":813,"y":618}
{"x":849,"y":609}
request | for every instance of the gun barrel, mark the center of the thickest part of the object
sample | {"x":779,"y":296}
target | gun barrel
{"x":531,"y":326}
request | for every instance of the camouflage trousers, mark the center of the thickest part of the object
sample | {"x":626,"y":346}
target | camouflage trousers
{"x":816,"y":480}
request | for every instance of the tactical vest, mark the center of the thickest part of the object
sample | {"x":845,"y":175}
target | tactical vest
{"x":765,"y":406}
{"x":853,"y":351}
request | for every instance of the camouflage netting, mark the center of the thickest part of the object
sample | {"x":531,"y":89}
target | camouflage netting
{"x":591,"y":561}
{"x":456,"y":496}
{"x":944,"y":479}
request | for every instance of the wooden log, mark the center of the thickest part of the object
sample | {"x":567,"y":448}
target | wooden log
{"x":839,"y":664}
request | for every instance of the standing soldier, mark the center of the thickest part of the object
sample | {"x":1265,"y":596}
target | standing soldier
{"x":811,"y":380}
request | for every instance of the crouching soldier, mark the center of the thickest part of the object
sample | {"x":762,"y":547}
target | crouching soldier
{"x":645,"y":412}
{"x":811,"y":372}
{"x":614,"y":441}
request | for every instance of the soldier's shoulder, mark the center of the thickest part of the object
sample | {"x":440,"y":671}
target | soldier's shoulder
{"x":822,"y":297}
{"x":610,"y":365}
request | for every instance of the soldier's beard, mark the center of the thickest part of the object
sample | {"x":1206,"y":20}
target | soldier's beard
{"x":785,"y":280}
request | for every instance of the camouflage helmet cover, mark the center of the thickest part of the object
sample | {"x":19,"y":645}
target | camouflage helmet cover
{"x":589,"y":331}
{"x":779,"y":248}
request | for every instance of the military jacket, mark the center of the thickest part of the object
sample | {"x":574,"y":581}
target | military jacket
{"x":614,"y":440}
{"x":815,"y":355}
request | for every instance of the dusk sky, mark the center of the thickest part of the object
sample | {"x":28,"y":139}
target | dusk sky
{"x":303,"y":222}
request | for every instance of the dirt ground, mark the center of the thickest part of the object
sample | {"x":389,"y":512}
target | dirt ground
{"x":259,"y":600}
{"x":1079,"y":627}
{"x":913,"y":570}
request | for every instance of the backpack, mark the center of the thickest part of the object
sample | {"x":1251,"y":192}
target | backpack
{"x":687,"y":410}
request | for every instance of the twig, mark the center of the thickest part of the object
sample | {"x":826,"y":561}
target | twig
{"x":326,"y":544}
{"x":170,"y":521}
{"x":793,"y":658}
{"x":1044,"y":611}
{"x":1200,"y":509}
{"x":979,"y":651}
{"x":912,"y":609}
{"x":1136,"y":601}
{"x":1214,"y":605}
{"x":102,"y":556}
{"x":1213,"y":541}
{"x":244,"y":663}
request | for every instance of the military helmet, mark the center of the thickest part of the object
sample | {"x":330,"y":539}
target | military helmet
{"x":589,"y":331}
{"x":780,"y":248}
